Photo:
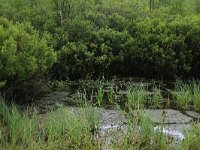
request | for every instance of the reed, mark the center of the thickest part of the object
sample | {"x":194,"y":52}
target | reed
{"x":192,"y":139}
{"x":182,"y":94}
{"x":187,"y":94}
{"x":155,"y":99}
{"x":99,"y":95}
{"x":136,"y":98}
{"x":196,"y":95}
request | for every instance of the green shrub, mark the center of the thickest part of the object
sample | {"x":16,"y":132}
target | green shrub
{"x":22,"y":52}
{"x":156,"y":38}
{"x":74,"y":61}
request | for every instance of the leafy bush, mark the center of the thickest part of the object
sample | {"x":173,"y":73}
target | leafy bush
{"x":22,"y":52}
{"x":157,"y":39}
{"x":74,"y":61}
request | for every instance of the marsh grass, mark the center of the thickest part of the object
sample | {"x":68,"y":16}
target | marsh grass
{"x":140,"y":134}
{"x":74,"y":129}
{"x":156,"y":99}
{"x":16,"y":127}
{"x":182,"y":94}
{"x":78,"y":127}
{"x":187,"y":94}
{"x":5,"y":115}
{"x":192,"y":140}
{"x":60,"y":129}
{"x":99,"y":95}
{"x":196,"y":95}
{"x":136,"y":98}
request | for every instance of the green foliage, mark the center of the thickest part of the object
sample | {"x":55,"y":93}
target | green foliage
{"x":74,"y":61}
{"x":154,"y":38}
{"x":79,"y":30}
{"x":22,"y":52}
{"x":163,"y":47}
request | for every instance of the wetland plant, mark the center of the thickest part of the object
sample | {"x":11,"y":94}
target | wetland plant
{"x":192,"y":139}
{"x":136,"y":98}
{"x":196,"y":95}
{"x":187,"y":94}
{"x":78,"y":128}
{"x":182,"y":94}
{"x":141,"y":134}
{"x":157,"y":97}
{"x":60,"y":129}
{"x":17,"y":127}
{"x":99,"y":95}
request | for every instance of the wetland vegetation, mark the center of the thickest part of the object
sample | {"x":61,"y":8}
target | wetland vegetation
{"x":80,"y":127}
{"x":54,"y":53}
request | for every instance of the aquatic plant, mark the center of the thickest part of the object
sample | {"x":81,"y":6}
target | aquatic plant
{"x":79,"y":128}
{"x":187,"y":94}
{"x":63,"y":128}
{"x":192,"y":139}
{"x":136,"y":98}
{"x":157,"y":98}
{"x":99,"y":95}
{"x":111,"y":94}
{"x":196,"y":95}
{"x":182,"y":94}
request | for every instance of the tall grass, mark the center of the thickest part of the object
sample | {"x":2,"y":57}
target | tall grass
{"x":187,"y":94}
{"x":192,"y":139}
{"x":71,"y":129}
{"x":157,"y":98}
{"x":136,"y":98}
{"x":4,"y":111}
{"x":75,"y":127}
{"x":196,"y":95}
{"x":78,"y":128}
{"x":99,"y":95}
{"x":182,"y":94}
{"x":140,"y":134}
{"x":17,"y":127}
{"x":61,"y":129}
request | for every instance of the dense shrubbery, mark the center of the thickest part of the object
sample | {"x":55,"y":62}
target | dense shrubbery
{"x":155,"y":38}
{"x":22,"y":52}
{"x":164,"y":47}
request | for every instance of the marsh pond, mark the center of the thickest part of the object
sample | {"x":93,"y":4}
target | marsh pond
{"x":127,"y":113}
